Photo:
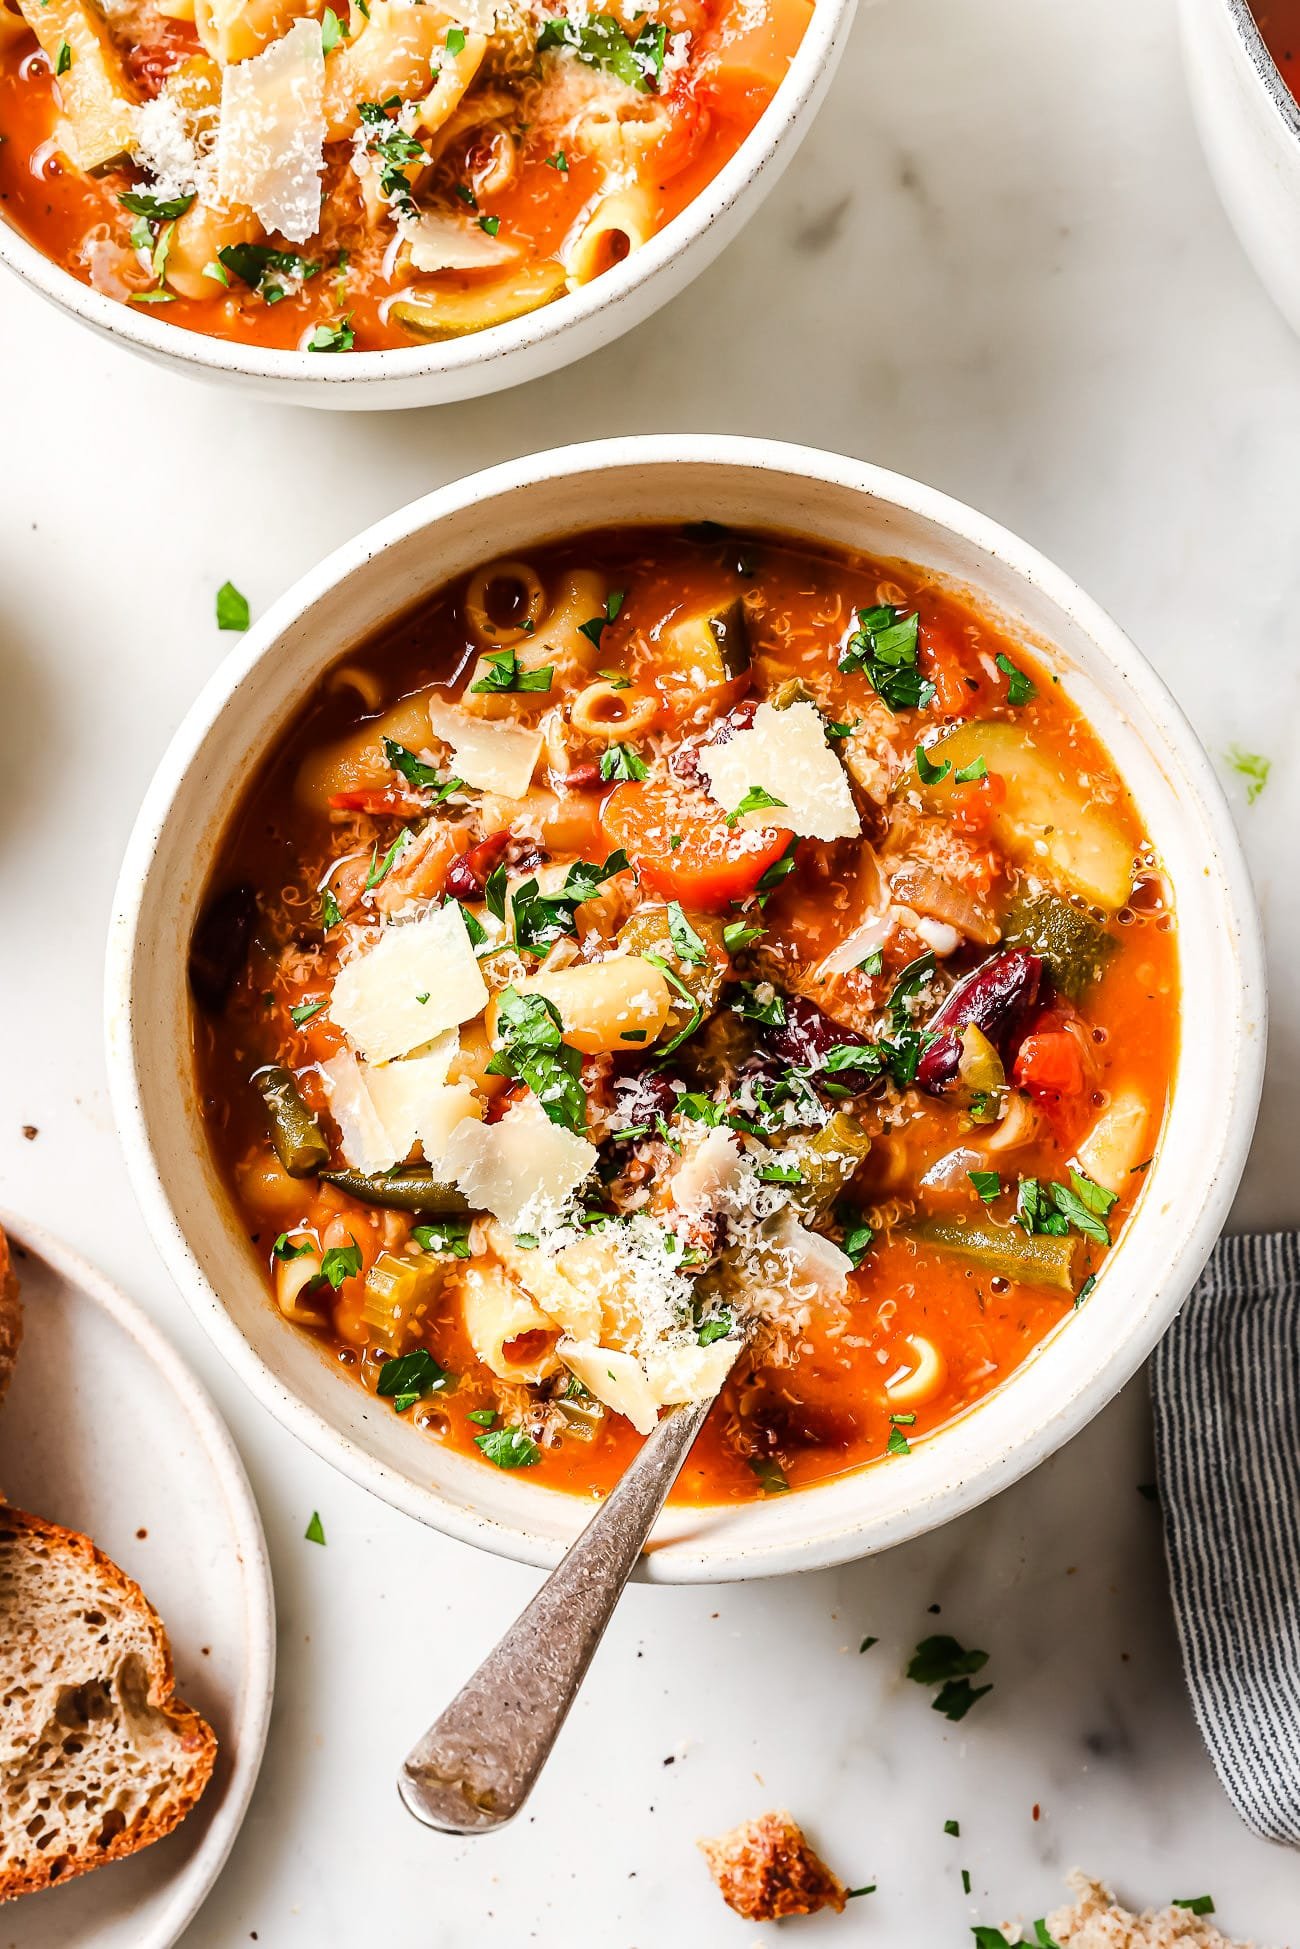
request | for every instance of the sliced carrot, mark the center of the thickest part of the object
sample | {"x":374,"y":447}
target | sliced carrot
{"x":684,"y":848}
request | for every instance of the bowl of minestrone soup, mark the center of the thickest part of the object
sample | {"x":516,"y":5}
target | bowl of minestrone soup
{"x":1243,"y":69}
{"x":386,"y":204}
{"x":679,"y":916}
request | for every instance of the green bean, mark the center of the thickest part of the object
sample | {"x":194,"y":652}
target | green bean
{"x":411,"y":1189}
{"x":295,"y":1134}
{"x":828,"y":1159}
{"x":1040,"y":1259}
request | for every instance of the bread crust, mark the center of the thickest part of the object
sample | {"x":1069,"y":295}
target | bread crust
{"x":11,"y":1314}
{"x":178,"y":1798}
{"x":765,"y":1869}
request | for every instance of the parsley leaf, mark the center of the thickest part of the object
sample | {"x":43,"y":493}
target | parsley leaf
{"x":339,"y":1263}
{"x":332,"y":31}
{"x":509,"y":1448}
{"x":859,"y":1237}
{"x":940,"y":1658}
{"x":969,"y":774}
{"x":1250,"y":766}
{"x":338,"y":337}
{"x":304,"y":1012}
{"x":1020,"y":688}
{"x":330,"y":911}
{"x":63,"y":59}
{"x":715,"y":1329}
{"x":315,"y":1530}
{"x":928,"y":772}
{"x":155,"y":209}
{"x":988,"y":1185}
{"x":408,"y":1379}
{"x":735,"y":935}
{"x":912,"y":979}
{"x":232,"y":608}
{"x":284,"y":1249}
{"x":448,"y":1237}
{"x":600,"y":42}
{"x":252,"y":264}
{"x":455,"y":41}
{"x":755,"y":800}
{"x":505,"y":672}
{"x":594,"y":628}
{"x":687,"y":943}
{"x":413,"y":769}
{"x":884,"y":649}
{"x":1196,"y":1904}
{"x":381,"y":868}
{"x":753,"y":1007}
{"x":534,"y":1052}
{"x":541,"y":918}
{"x":620,"y":761}
{"x":771,"y":1476}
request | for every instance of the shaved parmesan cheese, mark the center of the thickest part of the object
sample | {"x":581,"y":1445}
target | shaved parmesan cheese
{"x":686,"y":1373}
{"x":708,"y":1176}
{"x":614,"y":1378}
{"x":419,"y":979}
{"x":418,"y":1105}
{"x":271,"y":140}
{"x":811,"y":1261}
{"x":441,"y":241}
{"x":489,"y":754}
{"x":786,"y":753}
{"x":520,"y":1169}
{"x":480,"y":16}
{"x":367,"y":1145}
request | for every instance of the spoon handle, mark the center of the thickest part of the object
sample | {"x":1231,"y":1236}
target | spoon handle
{"x":475,"y":1767}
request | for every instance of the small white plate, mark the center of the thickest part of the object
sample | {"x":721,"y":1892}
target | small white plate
{"x":106,"y":1430}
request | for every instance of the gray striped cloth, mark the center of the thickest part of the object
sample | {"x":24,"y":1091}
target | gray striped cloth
{"x":1225,"y":1387}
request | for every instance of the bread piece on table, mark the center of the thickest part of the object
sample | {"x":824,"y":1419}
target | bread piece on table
{"x":765,"y":1869}
{"x":1096,"y":1921}
{"x":98,"y":1758}
{"x":11,"y":1315}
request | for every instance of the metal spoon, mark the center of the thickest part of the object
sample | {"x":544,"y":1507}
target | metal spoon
{"x":478,"y":1762}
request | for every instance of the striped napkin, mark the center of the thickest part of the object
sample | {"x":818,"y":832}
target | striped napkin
{"x":1225,"y":1387}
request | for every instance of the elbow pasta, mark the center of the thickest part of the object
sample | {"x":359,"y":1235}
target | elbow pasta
{"x":613,"y":1092}
{"x":434,"y":181}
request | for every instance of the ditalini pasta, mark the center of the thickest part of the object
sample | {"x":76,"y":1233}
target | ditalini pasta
{"x":388,"y":173}
{"x":685,"y":960}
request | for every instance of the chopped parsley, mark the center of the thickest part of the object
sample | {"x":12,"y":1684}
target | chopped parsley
{"x":330,"y":911}
{"x":154,"y":209}
{"x":256,"y":265}
{"x":332,"y":31}
{"x":1195,"y":1904}
{"x":1055,"y":1208}
{"x":284,"y":1249}
{"x":509,"y":1448}
{"x":686,"y":942}
{"x":952,"y":1827}
{"x":558,"y":161}
{"x":971,"y":773}
{"x":484,"y":1416}
{"x":1251,"y":766}
{"x":928,"y":772}
{"x":490,"y":225}
{"x":338,"y":337}
{"x":898,"y":1444}
{"x":715,"y":1329}
{"x":534,"y":1052}
{"x":988,"y":1185}
{"x":407,"y":1380}
{"x":455,"y":41}
{"x":396,"y":150}
{"x":304,"y":1012}
{"x":859,"y":1237}
{"x":620,"y":761}
{"x":735,"y":936}
{"x":778,"y":870}
{"x":873,"y":963}
{"x":756,"y":799}
{"x":1020,"y":688}
{"x":595,"y":626}
{"x":540,"y":918}
{"x":413,"y":769}
{"x":339,"y":1263}
{"x":232,"y":608}
{"x":448,"y":1237}
{"x":943,"y":1662}
{"x":505,"y":672}
{"x":755,"y":1007}
{"x":315,"y":1530}
{"x":381,"y":868}
{"x":867,"y":1644}
{"x":63,"y":59}
{"x":884,"y":649}
{"x":771,"y":1476}
{"x":600,"y":42}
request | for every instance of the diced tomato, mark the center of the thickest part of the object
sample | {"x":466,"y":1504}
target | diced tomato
{"x":942,"y":665}
{"x":974,"y":804}
{"x":380,"y":801}
{"x":684,"y":848}
{"x":1050,"y":1062}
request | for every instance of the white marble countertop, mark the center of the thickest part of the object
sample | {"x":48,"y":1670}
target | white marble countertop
{"x":997,"y":264}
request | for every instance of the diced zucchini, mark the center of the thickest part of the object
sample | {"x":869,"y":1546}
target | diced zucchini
{"x":1118,"y":1141}
{"x":648,"y":931}
{"x":1031,"y":1259}
{"x":827,"y":1160}
{"x":1045,"y":822}
{"x":397,"y":1295}
{"x":708,"y":648}
{"x":1075,"y":947}
{"x":433,"y":315}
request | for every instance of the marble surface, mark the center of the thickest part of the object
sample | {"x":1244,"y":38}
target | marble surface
{"x":997,"y":264}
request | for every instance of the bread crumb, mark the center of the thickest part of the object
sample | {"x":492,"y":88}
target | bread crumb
{"x":765,"y":1870}
{"x":1095,"y":1920}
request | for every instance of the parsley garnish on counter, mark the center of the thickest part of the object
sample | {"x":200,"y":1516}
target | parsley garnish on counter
{"x":232,"y":608}
{"x":1251,"y":766}
{"x":315,"y":1530}
{"x":942,"y":1661}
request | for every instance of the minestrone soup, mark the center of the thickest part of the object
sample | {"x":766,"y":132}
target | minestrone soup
{"x":680,"y":961}
{"x":381,"y":175}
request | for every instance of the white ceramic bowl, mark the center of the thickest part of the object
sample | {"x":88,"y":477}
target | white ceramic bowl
{"x":489,"y":361}
{"x":748,"y":483}
{"x":1249,"y":125}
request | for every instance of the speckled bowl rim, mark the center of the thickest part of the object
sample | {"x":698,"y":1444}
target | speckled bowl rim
{"x":621,"y":294}
{"x":1047,"y":1423}
{"x":1266,"y":68}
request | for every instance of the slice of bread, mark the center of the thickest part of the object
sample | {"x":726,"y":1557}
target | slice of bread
{"x":98,"y":1758}
{"x":11,"y":1315}
{"x":766,"y":1869}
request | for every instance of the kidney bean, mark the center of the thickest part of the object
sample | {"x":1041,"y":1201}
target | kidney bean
{"x":469,"y":872}
{"x":806,"y":1038}
{"x":997,"y":998}
{"x":582,"y":778}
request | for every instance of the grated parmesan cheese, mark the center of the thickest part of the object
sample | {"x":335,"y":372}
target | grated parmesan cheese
{"x":786,"y":754}
{"x":271,"y":140}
